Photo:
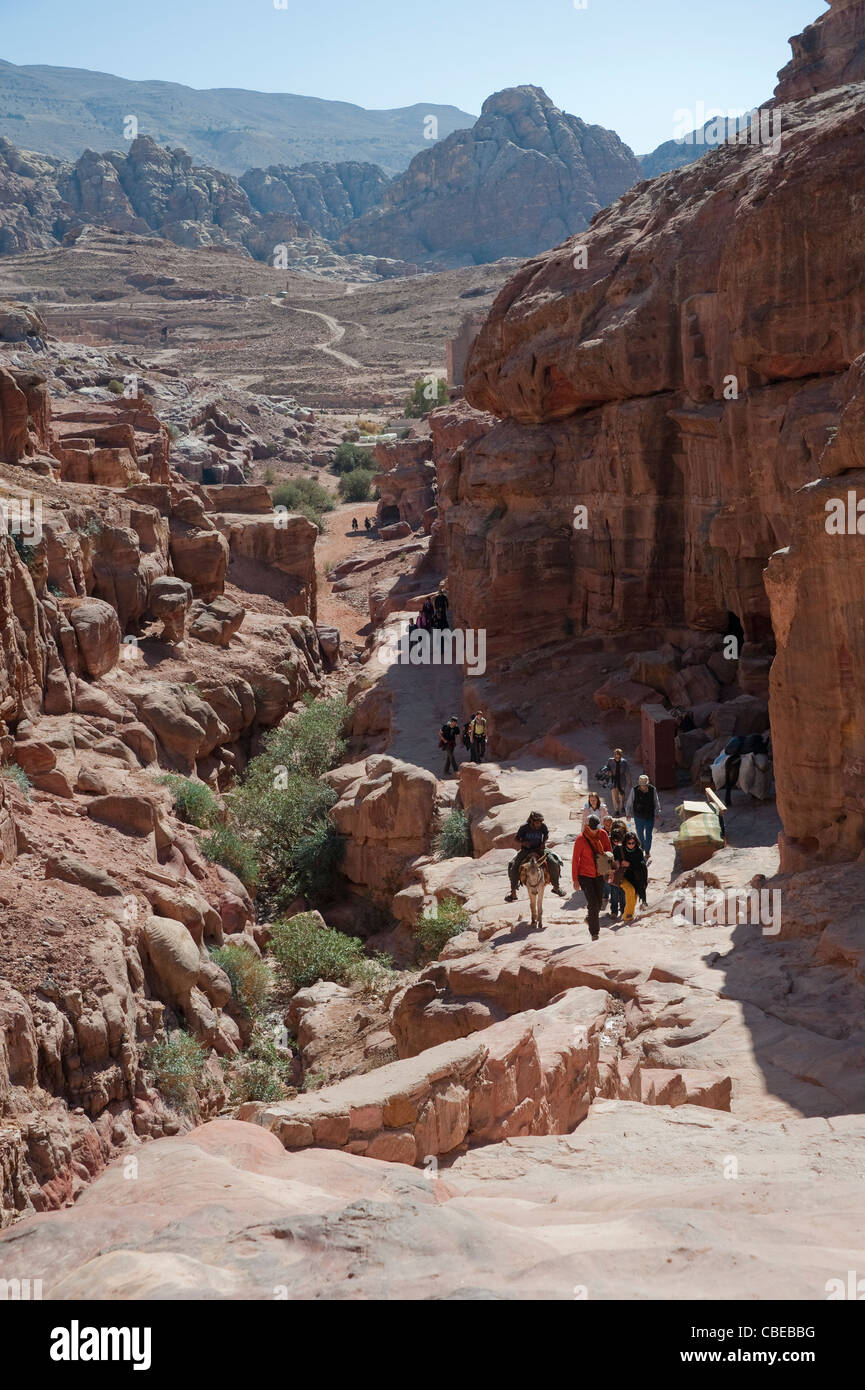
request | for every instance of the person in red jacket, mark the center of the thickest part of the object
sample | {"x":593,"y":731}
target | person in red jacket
{"x":594,"y":840}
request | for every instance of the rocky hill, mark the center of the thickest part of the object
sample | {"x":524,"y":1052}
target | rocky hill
{"x":524,"y":177}
{"x":64,"y":111}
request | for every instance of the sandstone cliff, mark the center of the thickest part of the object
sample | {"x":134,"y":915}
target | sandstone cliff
{"x":682,"y":381}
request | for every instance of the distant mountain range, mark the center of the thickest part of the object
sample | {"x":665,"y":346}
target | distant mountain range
{"x":64,"y":111}
{"x":256,"y":171}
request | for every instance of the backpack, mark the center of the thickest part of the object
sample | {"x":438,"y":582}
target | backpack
{"x":753,"y":744}
{"x":734,"y":747}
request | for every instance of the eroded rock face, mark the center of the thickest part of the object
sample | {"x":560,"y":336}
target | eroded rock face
{"x":386,"y":808}
{"x":325,"y":197}
{"x":464,"y":200}
{"x":660,"y":403}
{"x":830,"y":53}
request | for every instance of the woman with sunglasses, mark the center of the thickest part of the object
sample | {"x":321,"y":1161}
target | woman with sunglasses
{"x":635,"y":879}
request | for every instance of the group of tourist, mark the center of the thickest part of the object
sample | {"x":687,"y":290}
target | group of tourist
{"x":434,"y":613}
{"x":474,"y":738}
{"x":367,"y":524}
{"x":610,"y":861}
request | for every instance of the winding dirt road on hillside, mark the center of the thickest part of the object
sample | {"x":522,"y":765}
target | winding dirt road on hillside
{"x":337,"y":332}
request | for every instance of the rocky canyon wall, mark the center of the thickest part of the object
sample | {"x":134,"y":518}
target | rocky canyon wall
{"x":684,"y":372}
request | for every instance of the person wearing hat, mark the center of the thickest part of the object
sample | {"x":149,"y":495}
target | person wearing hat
{"x":532,"y":839}
{"x":620,"y":780}
{"x":644,"y":805}
{"x":448,"y":735}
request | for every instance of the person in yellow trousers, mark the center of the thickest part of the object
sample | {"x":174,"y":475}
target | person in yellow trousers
{"x":635,"y":879}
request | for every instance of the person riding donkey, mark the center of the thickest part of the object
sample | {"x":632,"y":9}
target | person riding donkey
{"x":532,"y":839}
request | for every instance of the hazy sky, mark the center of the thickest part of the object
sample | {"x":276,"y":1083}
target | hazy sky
{"x":626,"y":64}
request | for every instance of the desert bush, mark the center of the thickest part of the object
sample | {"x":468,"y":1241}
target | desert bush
{"x":367,"y":426}
{"x":436,"y":927}
{"x":251,"y":980}
{"x":224,"y":846}
{"x":261,"y":1072}
{"x":306,"y":496}
{"x":306,"y":952}
{"x":356,"y":486}
{"x":349,"y":456}
{"x":281,"y":807}
{"x":454,"y":840}
{"x":194,"y":802}
{"x":115,"y":386}
{"x":177,"y":1064}
{"x":13,"y":773}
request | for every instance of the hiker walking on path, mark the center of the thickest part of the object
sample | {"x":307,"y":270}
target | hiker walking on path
{"x":621,"y":783}
{"x":617,"y":832}
{"x":448,"y":735}
{"x":595,"y":807}
{"x":592,"y":863}
{"x":354,"y":525}
{"x":478,"y":731}
{"x":644,"y":805}
{"x":635,"y":876}
{"x":532,"y":839}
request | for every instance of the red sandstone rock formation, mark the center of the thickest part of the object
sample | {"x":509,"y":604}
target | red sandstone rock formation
{"x":681,"y":381}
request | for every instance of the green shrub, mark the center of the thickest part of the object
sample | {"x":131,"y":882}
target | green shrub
{"x":356,"y":486}
{"x":281,"y":807}
{"x":177,"y":1064}
{"x":262,"y":1072}
{"x":427,"y":393}
{"x":454,"y":840}
{"x":194,"y":802}
{"x":316,"y":857}
{"x":306,"y":952}
{"x":250,"y":977}
{"x":347,"y":457}
{"x":224,"y":846}
{"x":436,"y":928}
{"x":28,"y":553}
{"x":13,"y":773}
{"x":116,"y":386}
{"x":306,"y":496}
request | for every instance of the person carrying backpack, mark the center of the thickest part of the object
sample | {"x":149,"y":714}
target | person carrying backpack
{"x":644,"y":805}
{"x":620,"y":780}
{"x":617,"y":832}
{"x":478,"y":729}
{"x":448,"y":735}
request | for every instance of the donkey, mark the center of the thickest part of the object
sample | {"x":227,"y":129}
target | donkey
{"x":535,"y":874}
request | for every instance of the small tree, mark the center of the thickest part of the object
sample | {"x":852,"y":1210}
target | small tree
{"x":356,"y":486}
{"x":349,"y":456}
{"x":427,"y":393}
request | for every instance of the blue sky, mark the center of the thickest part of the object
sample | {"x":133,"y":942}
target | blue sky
{"x":626,"y":64}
